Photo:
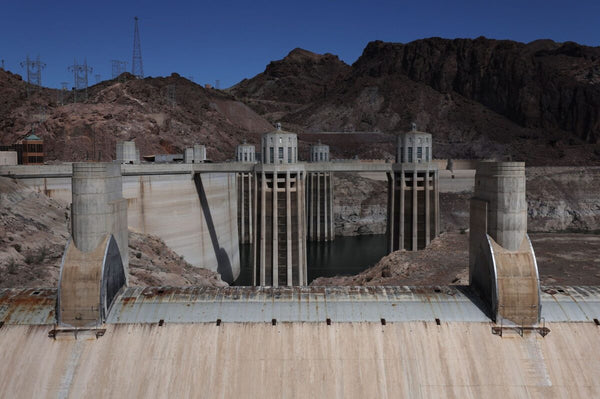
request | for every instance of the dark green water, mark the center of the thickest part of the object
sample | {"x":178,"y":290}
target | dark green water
{"x":342,"y":257}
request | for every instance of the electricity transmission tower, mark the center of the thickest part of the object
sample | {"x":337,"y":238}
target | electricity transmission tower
{"x":137,"y":68}
{"x":80,"y":79}
{"x":62,"y":94}
{"x":98,"y":78}
{"x":118,"y":67}
{"x":171,"y":95}
{"x":34,"y":72}
{"x":218,"y":84}
{"x":2,"y":67}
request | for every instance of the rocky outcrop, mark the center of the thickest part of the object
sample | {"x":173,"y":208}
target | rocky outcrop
{"x":444,"y":262}
{"x":563,"y":199}
{"x":482,"y":98}
{"x":360,"y":205}
{"x":286,"y":85}
{"x":542,"y":84}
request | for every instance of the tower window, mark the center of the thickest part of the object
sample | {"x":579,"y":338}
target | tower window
{"x":427,"y":154}
{"x":280,"y":153}
{"x":289,"y":154}
{"x":419,"y":153}
{"x":409,"y":154}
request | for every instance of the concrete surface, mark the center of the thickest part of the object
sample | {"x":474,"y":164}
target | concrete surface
{"x":127,"y":152}
{"x":98,"y":207}
{"x":301,"y":360}
{"x":89,"y":282}
{"x":502,"y":265}
{"x":171,"y":207}
{"x":8,"y":158}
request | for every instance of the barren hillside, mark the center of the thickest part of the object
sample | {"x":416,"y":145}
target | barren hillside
{"x":127,"y":109}
{"x":538,"y":102}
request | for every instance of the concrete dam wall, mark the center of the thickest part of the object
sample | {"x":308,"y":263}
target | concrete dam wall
{"x":196,"y":217}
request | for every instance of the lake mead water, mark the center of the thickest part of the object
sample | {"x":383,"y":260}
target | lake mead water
{"x":343,"y":256}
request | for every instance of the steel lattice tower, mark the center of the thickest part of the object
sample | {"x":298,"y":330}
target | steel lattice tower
{"x":80,"y":78}
{"x":34,"y":72}
{"x":118,"y":67}
{"x":137,"y":68}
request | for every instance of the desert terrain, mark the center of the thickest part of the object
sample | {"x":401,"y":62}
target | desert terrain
{"x":536,"y":102}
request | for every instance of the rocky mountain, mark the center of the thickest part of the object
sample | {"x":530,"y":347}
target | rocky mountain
{"x":162,"y":115}
{"x":287,"y":85}
{"x":481,"y":98}
{"x":538,"y":102}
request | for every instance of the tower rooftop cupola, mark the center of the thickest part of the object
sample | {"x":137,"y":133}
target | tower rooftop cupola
{"x":414,"y":146}
{"x":279,"y":146}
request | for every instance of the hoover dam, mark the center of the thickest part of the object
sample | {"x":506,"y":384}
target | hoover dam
{"x":96,"y":336}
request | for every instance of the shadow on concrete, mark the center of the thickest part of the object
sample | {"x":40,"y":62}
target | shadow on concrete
{"x":223,"y":261}
{"x":474,"y":297}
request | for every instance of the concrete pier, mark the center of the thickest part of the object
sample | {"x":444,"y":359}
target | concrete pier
{"x":280,"y":219}
{"x":245,"y":188}
{"x":502,"y":186}
{"x":502,"y":265}
{"x":245,"y":153}
{"x":199,"y":153}
{"x":127,"y":152}
{"x":413,"y":194}
{"x":99,"y":208}
{"x":319,"y":197}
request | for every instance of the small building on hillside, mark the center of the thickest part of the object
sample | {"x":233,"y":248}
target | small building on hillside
{"x":30,"y":150}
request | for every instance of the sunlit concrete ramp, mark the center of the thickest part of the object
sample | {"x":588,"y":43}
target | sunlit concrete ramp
{"x":517,"y":280}
{"x":89,"y":282}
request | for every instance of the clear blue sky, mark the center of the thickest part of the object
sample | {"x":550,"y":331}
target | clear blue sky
{"x":232,"y":40}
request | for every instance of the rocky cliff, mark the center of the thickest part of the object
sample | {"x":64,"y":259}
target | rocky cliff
{"x":289,"y":84}
{"x":360,"y":205}
{"x":538,"y":102}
